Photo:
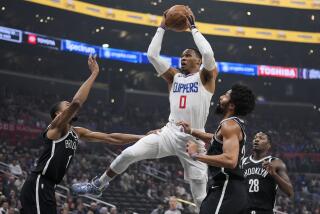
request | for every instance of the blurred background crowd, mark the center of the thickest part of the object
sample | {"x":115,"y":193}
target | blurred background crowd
{"x":147,"y":185}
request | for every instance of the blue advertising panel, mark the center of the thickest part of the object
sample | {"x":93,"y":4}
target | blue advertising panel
{"x":238,"y":68}
{"x":174,"y":61}
{"x":121,"y":55}
{"x":309,"y":73}
{"x":78,"y":47}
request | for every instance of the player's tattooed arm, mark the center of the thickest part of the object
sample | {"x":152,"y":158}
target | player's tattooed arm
{"x":111,"y":138}
{"x":63,"y":119}
{"x":230,"y":131}
{"x":278,"y":170}
{"x":205,"y":137}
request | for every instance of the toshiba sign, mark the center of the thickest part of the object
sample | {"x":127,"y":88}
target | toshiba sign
{"x":277,"y":71}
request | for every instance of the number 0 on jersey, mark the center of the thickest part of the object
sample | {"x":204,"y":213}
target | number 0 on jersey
{"x":183,"y":101}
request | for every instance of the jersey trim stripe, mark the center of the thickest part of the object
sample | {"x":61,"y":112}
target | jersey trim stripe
{"x":37,"y":194}
{"x":219,"y":141}
{"x":223,"y":191}
{"x":52,"y":154}
{"x":275,"y":202}
{"x":230,"y":118}
{"x":258,"y":161}
{"x":244,"y":134}
{"x":53,"y":149}
{"x":62,"y":138}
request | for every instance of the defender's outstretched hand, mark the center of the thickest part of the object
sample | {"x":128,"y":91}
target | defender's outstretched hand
{"x":93,"y":65}
{"x":192,"y":149}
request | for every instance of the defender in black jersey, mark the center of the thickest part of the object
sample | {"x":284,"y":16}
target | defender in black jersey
{"x":60,"y":144}
{"x":227,"y":189}
{"x":263,"y":174}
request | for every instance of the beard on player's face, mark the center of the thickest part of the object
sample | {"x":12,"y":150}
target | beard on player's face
{"x":220,"y":110}
{"x":186,"y":66}
{"x":184,"y":70}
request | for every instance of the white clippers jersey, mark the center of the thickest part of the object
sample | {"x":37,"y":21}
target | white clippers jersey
{"x":189,"y":100}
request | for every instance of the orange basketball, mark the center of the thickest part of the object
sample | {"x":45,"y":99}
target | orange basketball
{"x":176,"y":18}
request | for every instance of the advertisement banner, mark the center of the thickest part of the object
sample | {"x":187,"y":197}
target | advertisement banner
{"x":237,"y":68}
{"x":148,"y":19}
{"x":10,"y":34}
{"x":277,"y":71}
{"x":78,"y":47}
{"x":173,"y":61}
{"x":36,"y":39}
{"x":18,"y":36}
{"x":297,"y":4}
{"x":309,"y":73}
{"x":121,"y":55}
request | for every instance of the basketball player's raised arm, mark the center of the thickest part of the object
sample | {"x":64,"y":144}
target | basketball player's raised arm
{"x":278,"y":170}
{"x":162,"y":66}
{"x":229,"y":158}
{"x":79,"y":98}
{"x":209,"y":72}
{"x":112,"y":138}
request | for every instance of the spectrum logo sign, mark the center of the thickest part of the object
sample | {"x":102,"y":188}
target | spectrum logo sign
{"x":277,"y":71}
{"x":78,"y":47}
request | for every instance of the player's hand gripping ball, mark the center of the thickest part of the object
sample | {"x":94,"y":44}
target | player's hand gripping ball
{"x":176,"y":18}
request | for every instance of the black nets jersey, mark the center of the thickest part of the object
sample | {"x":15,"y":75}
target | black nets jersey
{"x":57,"y":156}
{"x":262,"y":188}
{"x":216,"y":148}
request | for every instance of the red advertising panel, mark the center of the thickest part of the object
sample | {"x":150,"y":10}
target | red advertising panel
{"x":277,"y":71}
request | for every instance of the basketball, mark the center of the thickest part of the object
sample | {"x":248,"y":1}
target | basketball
{"x":176,"y":19}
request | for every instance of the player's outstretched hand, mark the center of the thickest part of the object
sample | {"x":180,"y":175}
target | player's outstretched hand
{"x":269,"y":167}
{"x":192,"y":148}
{"x":186,"y":126}
{"x":93,"y":65}
{"x":156,"y":131}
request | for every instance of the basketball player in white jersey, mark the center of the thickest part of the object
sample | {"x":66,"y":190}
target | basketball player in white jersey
{"x":190,"y":95}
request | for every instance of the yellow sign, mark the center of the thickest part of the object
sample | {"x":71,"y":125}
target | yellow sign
{"x":206,"y":28}
{"x":296,"y":4}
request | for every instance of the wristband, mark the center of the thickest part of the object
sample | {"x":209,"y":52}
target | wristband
{"x":191,"y":21}
{"x":163,"y":27}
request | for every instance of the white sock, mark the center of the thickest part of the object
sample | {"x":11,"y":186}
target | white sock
{"x":105,"y":178}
